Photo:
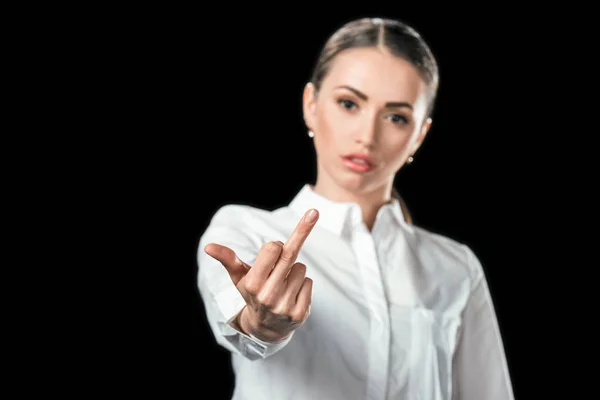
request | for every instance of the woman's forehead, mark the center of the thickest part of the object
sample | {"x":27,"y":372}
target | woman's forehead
{"x":376,"y":73}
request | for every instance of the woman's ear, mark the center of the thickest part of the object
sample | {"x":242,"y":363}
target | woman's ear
{"x":309,"y":103}
{"x":421,"y":136}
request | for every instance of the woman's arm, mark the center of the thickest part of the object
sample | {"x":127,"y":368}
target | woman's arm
{"x":480,"y":369}
{"x":221,"y":299}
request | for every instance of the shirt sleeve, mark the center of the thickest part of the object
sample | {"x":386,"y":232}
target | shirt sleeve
{"x":480,"y":369}
{"x":222,"y":301}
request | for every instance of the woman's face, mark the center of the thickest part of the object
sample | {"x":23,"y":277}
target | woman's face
{"x":368,"y":118}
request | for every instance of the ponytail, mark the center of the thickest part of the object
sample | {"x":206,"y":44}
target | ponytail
{"x":405,"y":212}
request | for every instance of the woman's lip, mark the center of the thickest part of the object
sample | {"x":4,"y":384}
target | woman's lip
{"x":360,"y":156}
{"x":357,"y":166}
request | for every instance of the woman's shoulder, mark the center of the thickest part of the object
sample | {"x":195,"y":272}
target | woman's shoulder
{"x":445,"y":250}
{"x":249,"y":217}
{"x":232,"y":211}
{"x":437,"y":239}
{"x":239,"y":216}
{"x":235,"y":225}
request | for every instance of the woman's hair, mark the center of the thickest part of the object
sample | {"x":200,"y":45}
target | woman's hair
{"x":395,"y":36}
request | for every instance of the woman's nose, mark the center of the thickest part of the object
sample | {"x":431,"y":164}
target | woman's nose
{"x":367,"y":134}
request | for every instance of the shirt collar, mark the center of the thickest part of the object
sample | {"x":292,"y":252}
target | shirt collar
{"x":335,"y":216}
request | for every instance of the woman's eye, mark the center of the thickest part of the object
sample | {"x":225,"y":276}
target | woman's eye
{"x":347,"y":104}
{"x":397,"y":118}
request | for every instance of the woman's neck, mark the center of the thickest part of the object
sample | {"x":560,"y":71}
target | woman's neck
{"x":369,"y":201}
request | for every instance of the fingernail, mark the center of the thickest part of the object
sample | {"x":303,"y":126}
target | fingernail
{"x":311,"y":216}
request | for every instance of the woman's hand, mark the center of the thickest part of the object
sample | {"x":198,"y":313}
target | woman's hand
{"x":277,"y":293}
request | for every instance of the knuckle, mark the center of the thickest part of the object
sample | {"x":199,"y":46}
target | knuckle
{"x":266,"y":299}
{"x":298,"y":316}
{"x":288,"y":255}
{"x":280,"y":311}
{"x":252,"y":287}
{"x":283,"y":311}
{"x":272,"y":247}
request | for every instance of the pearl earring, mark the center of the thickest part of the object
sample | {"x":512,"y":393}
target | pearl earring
{"x":410,"y":160}
{"x":311,"y":134}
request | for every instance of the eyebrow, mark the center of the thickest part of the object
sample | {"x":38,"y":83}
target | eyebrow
{"x":365,"y":97}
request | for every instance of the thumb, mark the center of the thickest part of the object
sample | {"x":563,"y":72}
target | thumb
{"x":236,"y":268}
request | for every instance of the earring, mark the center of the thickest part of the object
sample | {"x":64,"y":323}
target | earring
{"x":410,"y":160}
{"x":311,"y":134}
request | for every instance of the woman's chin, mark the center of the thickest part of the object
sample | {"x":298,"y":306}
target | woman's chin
{"x":358,"y":184}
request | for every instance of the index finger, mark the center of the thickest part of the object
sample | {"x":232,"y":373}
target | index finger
{"x":292,"y":246}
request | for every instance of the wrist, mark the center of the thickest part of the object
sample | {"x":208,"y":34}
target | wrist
{"x":241,"y":321}
{"x":262,"y":335}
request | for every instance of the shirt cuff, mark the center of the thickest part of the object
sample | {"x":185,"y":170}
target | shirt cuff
{"x":255,"y":347}
{"x":231,"y":303}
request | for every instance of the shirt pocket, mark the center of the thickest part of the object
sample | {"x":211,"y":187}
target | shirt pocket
{"x":422,"y":346}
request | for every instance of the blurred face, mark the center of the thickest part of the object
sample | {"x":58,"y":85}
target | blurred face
{"x":368,"y":118}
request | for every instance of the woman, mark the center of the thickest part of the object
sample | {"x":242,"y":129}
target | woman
{"x":338,"y":295}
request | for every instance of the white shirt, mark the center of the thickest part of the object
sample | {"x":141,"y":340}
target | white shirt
{"x":397,"y":313}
